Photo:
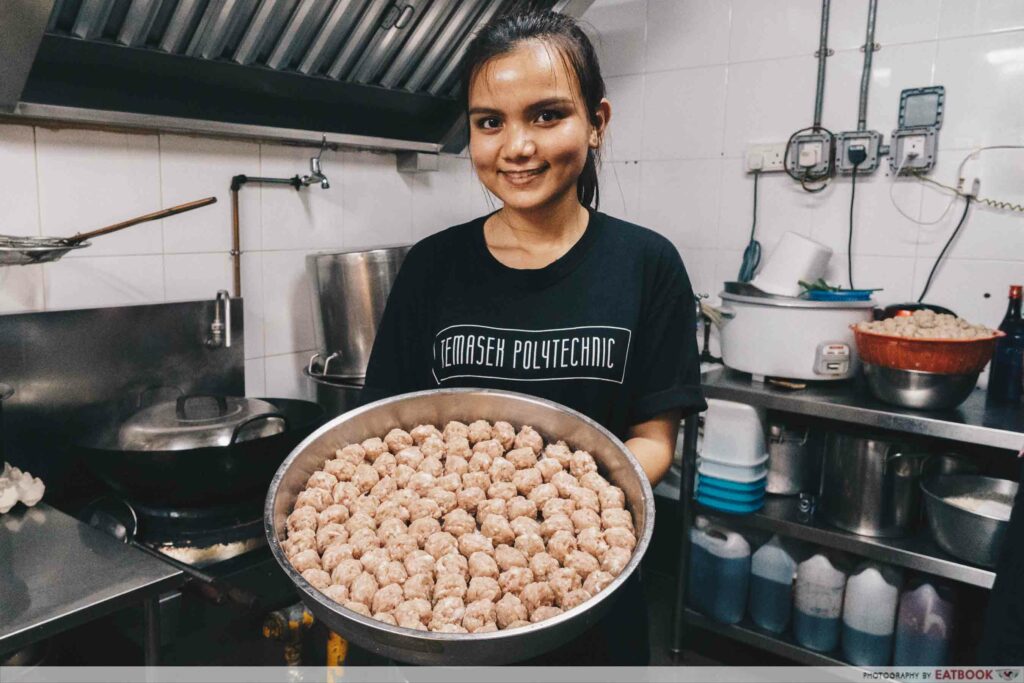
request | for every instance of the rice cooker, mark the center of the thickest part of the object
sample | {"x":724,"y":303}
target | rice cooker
{"x":781,"y":336}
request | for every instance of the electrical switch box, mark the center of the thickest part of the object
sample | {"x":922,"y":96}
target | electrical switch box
{"x":810,"y":154}
{"x":869,"y":140}
{"x":915,"y":142}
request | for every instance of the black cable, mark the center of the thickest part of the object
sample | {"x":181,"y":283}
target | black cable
{"x":807,"y":176}
{"x":849,"y":239}
{"x":938,"y":259}
{"x":753,"y":225}
{"x":752,"y":253}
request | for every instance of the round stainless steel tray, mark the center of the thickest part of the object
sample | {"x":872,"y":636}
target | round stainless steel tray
{"x":552,"y":421}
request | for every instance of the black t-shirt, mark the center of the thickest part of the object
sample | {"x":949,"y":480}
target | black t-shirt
{"x":607,"y":329}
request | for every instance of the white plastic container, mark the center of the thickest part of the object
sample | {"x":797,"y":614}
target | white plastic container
{"x":869,"y":614}
{"x":818,"y":603}
{"x":772,"y":571}
{"x":794,"y":258}
{"x":742,"y":474}
{"x":719,"y":573}
{"x":734,"y":433}
{"x":924,"y":626}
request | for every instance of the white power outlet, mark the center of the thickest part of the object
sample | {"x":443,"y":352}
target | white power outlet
{"x":913,"y":146}
{"x":766,"y":158}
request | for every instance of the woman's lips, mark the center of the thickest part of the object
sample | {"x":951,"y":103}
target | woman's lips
{"x":523,"y":177}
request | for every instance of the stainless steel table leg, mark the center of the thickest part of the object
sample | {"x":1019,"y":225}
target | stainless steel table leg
{"x":686,"y":521}
{"x":151,"y":620}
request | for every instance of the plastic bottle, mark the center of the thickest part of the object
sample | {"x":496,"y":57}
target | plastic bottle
{"x":772,"y":569}
{"x":924,"y":626}
{"x":719,"y":573}
{"x":819,"y":603}
{"x":869,"y":614}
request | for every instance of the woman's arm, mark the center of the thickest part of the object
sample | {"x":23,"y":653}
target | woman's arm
{"x":654,"y":442}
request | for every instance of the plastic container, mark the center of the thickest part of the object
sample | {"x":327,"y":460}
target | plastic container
{"x":869,"y":614}
{"x":719,"y":573}
{"x":772,"y":570}
{"x":743,"y":474}
{"x":730,"y":506}
{"x":818,"y":603}
{"x":795,"y":258}
{"x":924,"y":626}
{"x":733,"y":434}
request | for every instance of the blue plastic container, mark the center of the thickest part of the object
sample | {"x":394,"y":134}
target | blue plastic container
{"x":719,"y":573}
{"x":772,"y":570}
{"x":924,"y":626}
{"x":818,"y":603}
{"x":869,"y":614}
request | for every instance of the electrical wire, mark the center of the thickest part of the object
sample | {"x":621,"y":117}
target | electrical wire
{"x":752,"y":254}
{"x":849,"y":239}
{"x":892,"y":197}
{"x":945,"y":248}
{"x":807,"y":176}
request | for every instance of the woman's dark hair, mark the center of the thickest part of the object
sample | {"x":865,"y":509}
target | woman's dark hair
{"x":504,"y":34}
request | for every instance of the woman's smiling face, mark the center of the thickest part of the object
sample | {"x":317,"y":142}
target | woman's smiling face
{"x":529,"y":129}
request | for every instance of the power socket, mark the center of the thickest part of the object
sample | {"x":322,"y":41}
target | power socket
{"x":913,"y":146}
{"x":766,"y":158}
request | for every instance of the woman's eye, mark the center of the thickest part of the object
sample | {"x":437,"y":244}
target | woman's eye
{"x":489,"y":123}
{"x":549,"y":116}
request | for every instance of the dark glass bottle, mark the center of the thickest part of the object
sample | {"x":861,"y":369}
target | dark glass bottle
{"x":1006,"y":377}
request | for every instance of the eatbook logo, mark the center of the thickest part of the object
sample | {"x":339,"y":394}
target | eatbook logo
{"x":590,"y":352}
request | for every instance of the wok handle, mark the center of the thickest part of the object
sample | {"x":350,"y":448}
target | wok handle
{"x":155,"y":216}
{"x":245,"y":423}
{"x":179,"y":408}
{"x":237,"y":595}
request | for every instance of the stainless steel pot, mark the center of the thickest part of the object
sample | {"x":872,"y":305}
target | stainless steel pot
{"x":438,"y":406}
{"x":5,"y":393}
{"x":869,"y":485}
{"x":351,"y":289}
{"x":973,"y":535}
{"x":335,"y":396}
{"x":794,"y":460}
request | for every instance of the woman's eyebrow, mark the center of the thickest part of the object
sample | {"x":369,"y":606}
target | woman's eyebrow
{"x":541,"y":104}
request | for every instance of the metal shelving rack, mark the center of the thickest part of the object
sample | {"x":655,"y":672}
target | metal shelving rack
{"x":846,"y":402}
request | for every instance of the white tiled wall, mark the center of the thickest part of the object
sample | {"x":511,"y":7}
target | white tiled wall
{"x":693,"y":82}
{"x":59,"y":182}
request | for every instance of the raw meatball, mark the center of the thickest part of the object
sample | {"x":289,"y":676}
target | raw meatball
{"x":459,"y":522}
{"x":357,"y":607}
{"x":497,"y":528}
{"x":537,"y":594}
{"x":373,"y":447}
{"x":564,"y":580}
{"x":597,"y":582}
{"x":334,"y":555}
{"x":585,"y":499}
{"x":333,"y":514}
{"x":507,"y":557}
{"x":421,"y":433}
{"x":483,"y":588}
{"x":529,"y":544}
{"x":346,"y":572}
{"x":583,"y":562}
{"x":585,"y":519}
{"x":456,"y":464}
{"x":479,"y":613}
{"x":548,"y":467}
{"x":419,"y":562}
{"x":542,"y":613}
{"x":458,"y":447}
{"x":307,"y":559}
{"x":504,"y":433}
{"x":554,"y":524}
{"x":489,"y":450}
{"x":342,"y":470}
{"x":495,"y":506}
{"x":480,"y":480}
{"x":559,"y":451}
{"x":481,"y":462}
{"x":542,"y":564}
{"x":594,"y":481}
{"x":440,"y":543}
{"x":387,"y":598}
{"x":321,"y":480}
{"x":446,"y":500}
{"x":450,"y":586}
{"x":501,"y":470}
{"x":407,"y":620}
{"x":452,"y":563}
{"x":482,"y":564}
{"x":361,"y":520}
{"x":615,"y":560}
{"x":363,"y":541}
{"x":418,"y":608}
{"x":448,"y":610}
{"x":403,"y":473}
{"x":345,"y":493}
{"x":449,"y":628}
{"x":561,"y":544}
{"x":490,"y":627}
{"x":390,"y":526}
{"x":410,"y":457}
{"x":613,"y":518}
{"x":384,"y":487}
{"x":397,"y":439}
{"x":620,"y":538}
{"x":386,"y":617}
{"x":363,"y":588}
{"x":509,"y":610}
{"x":388,"y":573}
{"x":518,"y":623}
{"x":421,"y":482}
{"x":611,"y":498}
{"x":454,"y":429}
{"x":505,"y":490}
{"x":470,"y":498}
{"x":392,"y":509}
{"x":527,"y":480}
{"x":528,"y":438}
{"x":525,"y":525}
{"x":564,"y":483}
{"x":557,"y":506}
{"x":337,"y":593}
{"x":366,"y":505}
{"x":329,"y":535}
{"x":581,"y":463}
{"x":299,"y":541}
{"x":373,"y":559}
{"x":385,"y":465}
{"x":542,"y":494}
{"x":353,"y":453}
{"x":432,"y":466}
{"x":403,"y":497}
{"x":515,"y":579}
{"x":520,"y":507}
{"x":573,"y":598}
{"x":424,"y":507}
{"x":399,"y":547}
{"x":522,"y":458}
{"x":419,"y":586}
{"x":433,"y":447}
{"x":478,"y":431}
{"x":318,"y":499}
{"x":423,"y":528}
{"x":591,"y":540}
{"x":475,"y":542}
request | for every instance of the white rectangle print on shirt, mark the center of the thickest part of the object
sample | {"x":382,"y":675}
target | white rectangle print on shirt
{"x":590,"y":352}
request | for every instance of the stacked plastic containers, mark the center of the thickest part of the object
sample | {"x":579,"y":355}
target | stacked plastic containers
{"x":772,"y":570}
{"x":719,"y":572}
{"x":869,"y":614}
{"x":732,"y":473}
{"x":818,"y":602}
{"x":924,"y":626}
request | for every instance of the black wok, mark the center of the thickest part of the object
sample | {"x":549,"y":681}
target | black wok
{"x":200,"y":476}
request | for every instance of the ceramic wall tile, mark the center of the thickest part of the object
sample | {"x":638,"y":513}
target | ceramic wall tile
{"x":191,"y":277}
{"x":975,"y":290}
{"x":21,"y":289}
{"x":618,"y":30}
{"x":377,"y":199}
{"x":252,"y":295}
{"x":624,"y":140}
{"x":19,"y":199}
{"x":95,"y":281}
{"x":970,"y":17}
{"x":288,"y":303}
{"x":893,"y":275}
{"x":905,"y":21}
{"x":767,"y":102}
{"x":685,"y":33}
{"x":619,"y":183}
{"x":255,"y":377}
{"x":683,"y":113}
{"x":768,"y":30}
{"x":679,"y":199}
{"x":284,"y":378}
{"x":449,"y":196}
{"x":310,"y":218}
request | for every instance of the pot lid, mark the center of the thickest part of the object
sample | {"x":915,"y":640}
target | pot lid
{"x":794,"y":302}
{"x":199,"y":422}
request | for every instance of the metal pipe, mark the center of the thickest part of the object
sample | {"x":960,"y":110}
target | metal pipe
{"x":236,"y":241}
{"x":688,"y":465}
{"x":151,"y":619}
{"x":865,"y":76}
{"x":819,"y":93}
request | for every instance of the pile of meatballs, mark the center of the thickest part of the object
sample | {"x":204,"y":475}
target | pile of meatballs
{"x":477,"y":528}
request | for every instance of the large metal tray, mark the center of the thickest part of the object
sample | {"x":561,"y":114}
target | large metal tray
{"x":553,"y":421}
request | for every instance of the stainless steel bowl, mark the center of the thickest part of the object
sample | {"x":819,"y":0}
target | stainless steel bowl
{"x":552,"y":421}
{"x":972,"y":536}
{"x":920,"y":390}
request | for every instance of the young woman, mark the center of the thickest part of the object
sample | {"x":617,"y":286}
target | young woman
{"x":547,"y":296}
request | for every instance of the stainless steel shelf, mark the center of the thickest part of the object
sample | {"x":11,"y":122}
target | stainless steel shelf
{"x":919,"y":552}
{"x":973,"y":422}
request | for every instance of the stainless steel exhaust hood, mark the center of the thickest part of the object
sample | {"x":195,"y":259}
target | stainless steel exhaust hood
{"x":368,"y":73}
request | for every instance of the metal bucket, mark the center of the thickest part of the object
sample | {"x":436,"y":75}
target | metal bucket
{"x":335,"y":397}
{"x":351,"y":289}
{"x":794,"y":462}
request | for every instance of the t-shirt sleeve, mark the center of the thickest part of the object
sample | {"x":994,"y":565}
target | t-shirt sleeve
{"x":667,"y":370}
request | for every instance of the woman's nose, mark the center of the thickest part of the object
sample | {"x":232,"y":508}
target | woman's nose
{"x":520,"y":143}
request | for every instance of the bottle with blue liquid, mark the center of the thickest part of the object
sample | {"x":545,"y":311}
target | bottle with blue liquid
{"x":924,"y":626}
{"x":818,"y":602}
{"x":772,"y":570}
{"x":719,"y":572}
{"x":869,"y":614}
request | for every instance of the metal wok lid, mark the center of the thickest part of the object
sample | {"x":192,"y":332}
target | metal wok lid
{"x":199,"y":422}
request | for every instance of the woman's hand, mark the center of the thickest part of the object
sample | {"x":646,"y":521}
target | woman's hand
{"x":654,"y":443}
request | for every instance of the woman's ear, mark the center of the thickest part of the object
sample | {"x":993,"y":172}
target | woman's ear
{"x":602,"y":116}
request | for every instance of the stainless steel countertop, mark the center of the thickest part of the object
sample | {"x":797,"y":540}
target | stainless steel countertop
{"x":850,"y":401}
{"x":56,"y":572}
